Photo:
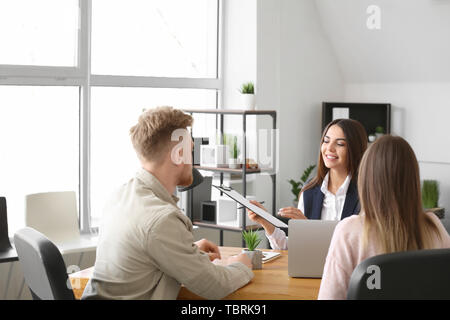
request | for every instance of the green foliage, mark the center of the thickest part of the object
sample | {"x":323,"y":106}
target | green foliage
{"x":296,"y":186}
{"x":248,"y":88}
{"x":379,"y":129}
{"x":251,"y":239}
{"x":235,"y":150}
{"x":430,"y":193}
{"x":231,"y":141}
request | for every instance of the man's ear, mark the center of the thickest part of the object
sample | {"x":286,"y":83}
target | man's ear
{"x":180,"y":152}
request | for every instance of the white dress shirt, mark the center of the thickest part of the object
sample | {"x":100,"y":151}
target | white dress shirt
{"x":332,"y":207}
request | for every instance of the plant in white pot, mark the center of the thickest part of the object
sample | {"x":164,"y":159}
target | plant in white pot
{"x":252,"y":240}
{"x":248,"y":95}
{"x":232,"y":142}
{"x":379,"y":131}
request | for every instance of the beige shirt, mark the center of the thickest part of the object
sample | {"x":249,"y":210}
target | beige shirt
{"x":346,"y":252}
{"x":146,"y":250}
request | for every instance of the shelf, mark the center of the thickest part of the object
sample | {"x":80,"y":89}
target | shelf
{"x":236,"y":171}
{"x":232,"y":111}
{"x":220,"y":115}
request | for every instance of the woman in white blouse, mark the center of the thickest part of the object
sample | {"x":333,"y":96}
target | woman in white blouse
{"x":332,"y":194}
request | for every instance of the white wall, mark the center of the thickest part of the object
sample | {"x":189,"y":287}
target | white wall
{"x":296,"y":71}
{"x":410,"y":46}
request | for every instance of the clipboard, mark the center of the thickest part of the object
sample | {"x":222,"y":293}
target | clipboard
{"x":243,"y":201}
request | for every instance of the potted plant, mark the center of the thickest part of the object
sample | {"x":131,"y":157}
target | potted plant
{"x":252,"y":240}
{"x":248,"y":95}
{"x":296,"y":186}
{"x":430,"y":197}
{"x":379,"y":131}
{"x":231,"y":141}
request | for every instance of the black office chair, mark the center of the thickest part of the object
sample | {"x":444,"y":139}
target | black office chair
{"x":43,"y":266}
{"x":410,"y":275}
{"x":7,"y":252}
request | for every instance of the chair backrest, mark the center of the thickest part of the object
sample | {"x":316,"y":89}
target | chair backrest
{"x":4,"y":238}
{"x":43,"y":266}
{"x":423,"y":274}
{"x":54,"y":214}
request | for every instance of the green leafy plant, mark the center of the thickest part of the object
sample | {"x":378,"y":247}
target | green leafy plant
{"x":430,"y":194}
{"x":235,"y":150}
{"x":379,"y":129}
{"x":296,"y":186}
{"x":252,"y":239}
{"x":231,"y":141}
{"x":247,"y":88}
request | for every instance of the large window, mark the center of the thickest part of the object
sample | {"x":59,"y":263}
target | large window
{"x":176,"y":38}
{"x":75,"y":76}
{"x":38,"y":143}
{"x":39,"y":32}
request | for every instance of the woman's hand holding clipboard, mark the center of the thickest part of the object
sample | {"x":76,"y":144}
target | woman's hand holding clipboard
{"x":253,"y":206}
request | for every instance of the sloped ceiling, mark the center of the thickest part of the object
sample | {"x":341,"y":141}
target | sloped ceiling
{"x":412,"y":45}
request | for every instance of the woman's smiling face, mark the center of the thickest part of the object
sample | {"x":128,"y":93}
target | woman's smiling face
{"x":334,"y":149}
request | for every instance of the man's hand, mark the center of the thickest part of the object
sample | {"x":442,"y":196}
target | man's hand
{"x":210,"y":248}
{"x":241,"y":257}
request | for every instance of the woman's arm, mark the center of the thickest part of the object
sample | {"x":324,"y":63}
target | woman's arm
{"x":268,"y":227}
{"x":276,"y":236}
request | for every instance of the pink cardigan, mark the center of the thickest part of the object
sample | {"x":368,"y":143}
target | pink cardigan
{"x":346,"y":252}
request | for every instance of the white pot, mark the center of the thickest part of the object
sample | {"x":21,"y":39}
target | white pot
{"x":248,"y":101}
{"x":234,"y":163}
{"x":221,"y":152}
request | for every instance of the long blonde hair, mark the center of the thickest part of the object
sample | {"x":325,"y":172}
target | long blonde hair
{"x":390,"y":196}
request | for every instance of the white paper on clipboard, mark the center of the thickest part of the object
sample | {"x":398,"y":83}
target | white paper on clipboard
{"x":260,"y":212}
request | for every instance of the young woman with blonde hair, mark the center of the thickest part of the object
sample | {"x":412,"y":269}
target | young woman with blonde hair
{"x":392,"y":218}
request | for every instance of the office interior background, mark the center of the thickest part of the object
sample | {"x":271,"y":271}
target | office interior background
{"x":76,"y":74}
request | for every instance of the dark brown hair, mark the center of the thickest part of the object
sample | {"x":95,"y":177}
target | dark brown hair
{"x":390,"y":196}
{"x":356,"y":138}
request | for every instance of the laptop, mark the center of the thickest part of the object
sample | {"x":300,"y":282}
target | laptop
{"x":308,"y":244}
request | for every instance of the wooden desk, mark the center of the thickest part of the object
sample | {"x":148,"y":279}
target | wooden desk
{"x":270,"y":283}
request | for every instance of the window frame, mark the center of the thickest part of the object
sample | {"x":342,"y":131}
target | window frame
{"x":81,"y":76}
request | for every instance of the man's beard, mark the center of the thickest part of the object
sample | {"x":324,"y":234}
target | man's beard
{"x":186,"y":179}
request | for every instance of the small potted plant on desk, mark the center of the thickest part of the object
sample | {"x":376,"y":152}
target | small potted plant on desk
{"x":252,"y":240}
{"x":430,"y":197}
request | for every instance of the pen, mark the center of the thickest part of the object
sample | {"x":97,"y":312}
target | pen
{"x":260,"y":202}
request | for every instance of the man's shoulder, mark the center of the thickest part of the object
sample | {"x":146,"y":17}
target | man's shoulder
{"x":157,"y":213}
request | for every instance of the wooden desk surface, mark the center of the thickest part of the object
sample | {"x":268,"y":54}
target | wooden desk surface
{"x":270,"y":283}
